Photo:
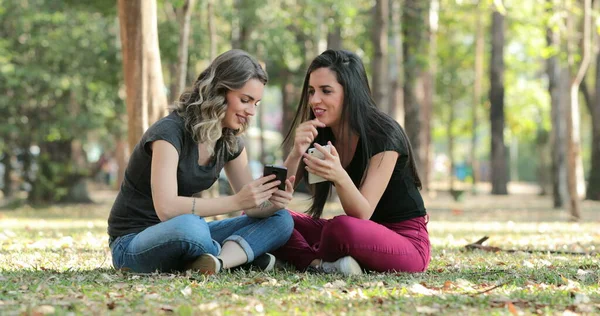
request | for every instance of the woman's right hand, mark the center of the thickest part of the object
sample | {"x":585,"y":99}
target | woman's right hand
{"x":256,"y":192}
{"x":305,"y":135}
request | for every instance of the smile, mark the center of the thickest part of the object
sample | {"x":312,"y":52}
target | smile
{"x":242,"y":119}
{"x":318,"y":111}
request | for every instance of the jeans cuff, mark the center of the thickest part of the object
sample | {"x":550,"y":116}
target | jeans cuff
{"x":244,"y":244}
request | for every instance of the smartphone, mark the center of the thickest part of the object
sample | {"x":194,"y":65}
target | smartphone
{"x":313,"y":178}
{"x":279,"y":172}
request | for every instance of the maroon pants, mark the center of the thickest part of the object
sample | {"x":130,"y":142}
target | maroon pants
{"x":402,"y":246}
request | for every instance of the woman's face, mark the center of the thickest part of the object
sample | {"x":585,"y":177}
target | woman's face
{"x":325,"y":96}
{"x":241,"y":104}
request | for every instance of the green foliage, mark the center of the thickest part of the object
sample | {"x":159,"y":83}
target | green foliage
{"x":60,"y":69}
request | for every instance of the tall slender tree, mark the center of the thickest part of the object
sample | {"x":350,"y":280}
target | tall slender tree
{"x":429,"y":87}
{"x":414,"y":32}
{"x":593,"y":189}
{"x":212,"y":31}
{"x":574,"y":169}
{"x":380,"y":53}
{"x":477,"y":91}
{"x":184,"y":14}
{"x":146,"y":99}
{"x":499,"y":164}
{"x":396,"y":73}
{"x":558,"y":141}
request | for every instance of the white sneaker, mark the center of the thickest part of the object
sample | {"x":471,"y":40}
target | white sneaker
{"x":345,"y":265}
{"x":206,"y":264}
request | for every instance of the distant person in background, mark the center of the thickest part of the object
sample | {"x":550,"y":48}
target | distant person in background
{"x":158,"y":224}
{"x":372,"y":167}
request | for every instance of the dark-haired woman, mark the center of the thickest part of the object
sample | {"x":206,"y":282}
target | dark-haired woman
{"x":372,"y":167}
{"x":157,"y":222}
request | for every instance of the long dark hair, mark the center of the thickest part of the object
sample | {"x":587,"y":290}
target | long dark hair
{"x":360,"y":116}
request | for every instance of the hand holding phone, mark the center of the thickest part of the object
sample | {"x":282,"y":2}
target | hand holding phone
{"x":279,"y":172}
{"x":313,"y":178}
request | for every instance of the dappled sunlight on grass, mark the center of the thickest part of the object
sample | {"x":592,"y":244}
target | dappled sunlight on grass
{"x":56,"y":260}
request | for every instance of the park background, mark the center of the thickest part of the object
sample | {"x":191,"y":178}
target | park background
{"x":500,"y":99}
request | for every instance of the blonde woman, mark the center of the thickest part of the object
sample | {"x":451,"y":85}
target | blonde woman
{"x":157,"y":223}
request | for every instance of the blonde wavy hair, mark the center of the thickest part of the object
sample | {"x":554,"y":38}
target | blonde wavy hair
{"x":203,"y":106}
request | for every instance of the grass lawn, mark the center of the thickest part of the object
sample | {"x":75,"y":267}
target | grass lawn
{"x":55,"y":260}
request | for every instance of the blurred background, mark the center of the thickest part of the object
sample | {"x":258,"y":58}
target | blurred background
{"x":494,"y":95}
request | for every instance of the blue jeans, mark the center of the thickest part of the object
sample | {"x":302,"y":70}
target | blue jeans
{"x":171,"y":245}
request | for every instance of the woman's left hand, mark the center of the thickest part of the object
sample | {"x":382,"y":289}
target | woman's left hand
{"x":280,"y":199}
{"x":329,"y":168}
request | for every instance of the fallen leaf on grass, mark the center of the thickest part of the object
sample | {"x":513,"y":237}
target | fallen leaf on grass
{"x":448,"y":285}
{"x":207,"y":307}
{"x":373,"y":284}
{"x":114,"y":295}
{"x":111,"y":305}
{"x":187,"y":291}
{"x":457,"y":212}
{"x":358,"y":293}
{"x":167,"y":308}
{"x":512,"y":309}
{"x":44,"y":310}
{"x":420,"y":289}
{"x":260,"y":308}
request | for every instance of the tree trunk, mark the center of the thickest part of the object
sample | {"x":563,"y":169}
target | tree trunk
{"x":450,"y":140}
{"x":334,"y":37}
{"x":146,"y":99}
{"x":428,"y":94}
{"x":477,"y":92}
{"x":499,"y":168}
{"x":240,"y":26}
{"x":7,"y":190}
{"x":414,"y":29}
{"x":122,"y":156}
{"x":574,"y":164}
{"x":212,"y":31}
{"x":593,"y":189}
{"x":379,"y":38}
{"x":396,"y":107}
{"x":57,"y":179}
{"x":288,"y":91}
{"x":156,"y":96}
{"x":558,"y":139}
{"x":182,"y":50}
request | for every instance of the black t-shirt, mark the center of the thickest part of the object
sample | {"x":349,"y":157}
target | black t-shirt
{"x":133,"y":210}
{"x":401,"y":199}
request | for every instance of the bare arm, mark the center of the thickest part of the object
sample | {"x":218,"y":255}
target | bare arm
{"x":361,"y":203}
{"x":292,"y":163}
{"x":163,"y":180}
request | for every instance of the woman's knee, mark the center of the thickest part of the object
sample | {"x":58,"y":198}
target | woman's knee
{"x":285,"y":222}
{"x":190,"y":228}
{"x":342,"y":228}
